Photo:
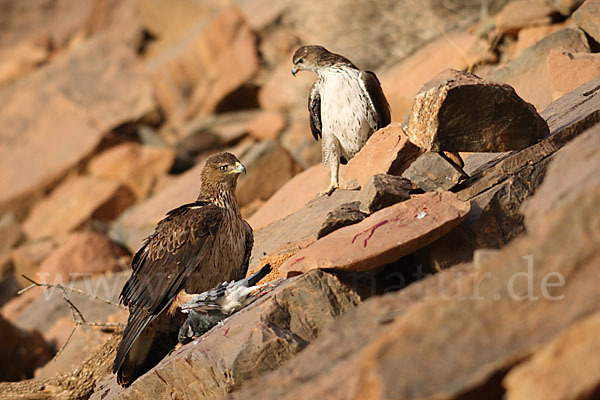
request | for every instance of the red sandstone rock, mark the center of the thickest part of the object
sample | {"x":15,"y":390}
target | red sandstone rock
{"x":383,"y":237}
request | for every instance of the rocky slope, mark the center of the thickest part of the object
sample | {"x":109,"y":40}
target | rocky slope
{"x":430,"y":279}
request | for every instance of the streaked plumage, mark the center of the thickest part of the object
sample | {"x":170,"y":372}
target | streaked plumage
{"x":346,"y":105}
{"x":197,"y":246}
{"x":211,"y":307}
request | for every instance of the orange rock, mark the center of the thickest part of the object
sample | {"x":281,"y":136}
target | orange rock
{"x":387,"y":151}
{"x":530,"y":36}
{"x":543,"y":375}
{"x":298,"y":140}
{"x":291,"y":197}
{"x":84,"y":341}
{"x":83,"y":254}
{"x":58,"y":114}
{"x":77,"y":200}
{"x":383,"y":237}
{"x":570,"y":70}
{"x":28,"y":257}
{"x":23,"y":58}
{"x":528,"y":74}
{"x":586,"y":18}
{"x":197,"y":73}
{"x":135,"y":166}
{"x":266,"y":125}
{"x":402,"y":82}
{"x":283,"y":92}
{"x":269,"y":167}
{"x":519,"y":14}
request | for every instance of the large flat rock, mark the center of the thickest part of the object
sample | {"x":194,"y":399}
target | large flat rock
{"x":383,"y":237}
{"x":283,"y":238}
{"x":56,"y":116}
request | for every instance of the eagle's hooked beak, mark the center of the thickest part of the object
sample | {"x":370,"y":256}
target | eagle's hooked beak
{"x":294,"y":70}
{"x":239,"y":168}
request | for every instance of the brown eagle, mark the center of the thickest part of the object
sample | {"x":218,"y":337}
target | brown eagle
{"x":346,"y":105}
{"x":195,"y":248}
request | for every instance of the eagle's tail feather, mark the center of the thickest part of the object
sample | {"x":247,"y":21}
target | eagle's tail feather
{"x":124,"y":365}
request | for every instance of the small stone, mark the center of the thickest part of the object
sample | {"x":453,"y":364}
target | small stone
{"x":431,"y":171}
{"x":382,"y":191}
{"x":586,"y":17}
{"x":458,"y":111}
{"x":344,"y":215}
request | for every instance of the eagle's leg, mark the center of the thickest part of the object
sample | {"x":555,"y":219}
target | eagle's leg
{"x":331,"y":158}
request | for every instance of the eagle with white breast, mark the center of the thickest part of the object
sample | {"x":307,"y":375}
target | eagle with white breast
{"x":346,"y":105}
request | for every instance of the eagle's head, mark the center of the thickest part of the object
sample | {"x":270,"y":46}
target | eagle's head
{"x":315,"y":58}
{"x":220,"y":173}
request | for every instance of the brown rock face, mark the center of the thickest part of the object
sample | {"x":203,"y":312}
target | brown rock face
{"x":135,"y":166}
{"x":23,"y":58}
{"x":269,"y":167}
{"x":522,"y":13}
{"x":402,"y":82}
{"x":568,"y":71}
{"x":586,"y":17}
{"x":266,"y":125}
{"x":83,"y":254}
{"x":383,"y":237}
{"x":455,"y":334}
{"x":458,"y":111}
{"x":21,"y":352}
{"x":252,"y":342}
{"x":289,"y":199}
{"x":528,"y":74}
{"x":573,"y":168}
{"x":58,"y":115}
{"x":542,"y":376}
{"x":197,"y":74}
{"x":74,"y":202}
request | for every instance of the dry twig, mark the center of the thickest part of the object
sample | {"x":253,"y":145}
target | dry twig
{"x":76,"y":314}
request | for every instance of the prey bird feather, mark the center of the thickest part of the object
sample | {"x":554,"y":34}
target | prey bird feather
{"x":211,"y":307}
{"x":345,"y":104}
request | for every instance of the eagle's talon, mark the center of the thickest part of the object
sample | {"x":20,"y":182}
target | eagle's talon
{"x":329,"y":191}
